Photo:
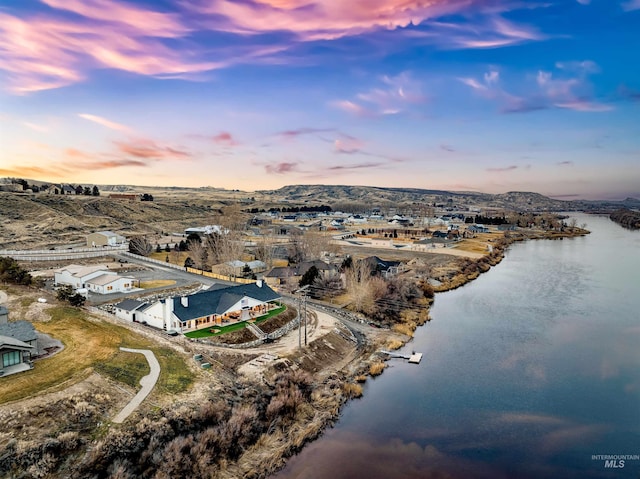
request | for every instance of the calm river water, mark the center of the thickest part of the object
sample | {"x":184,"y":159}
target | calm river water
{"x":528,"y":372}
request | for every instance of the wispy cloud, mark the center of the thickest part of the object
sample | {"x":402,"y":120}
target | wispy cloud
{"x":291,"y":134}
{"x":34,"y":172}
{"x":53,"y":49}
{"x":149,"y":149}
{"x":394,"y":96}
{"x":281,"y":168}
{"x":502,"y":169}
{"x":631,"y":5}
{"x":566,"y":88}
{"x":225,"y":138}
{"x":565,"y":163}
{"x":112,"y":125}
{"x":358,"y":166}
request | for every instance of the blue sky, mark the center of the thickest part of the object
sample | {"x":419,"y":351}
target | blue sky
{"x":480,"y":95}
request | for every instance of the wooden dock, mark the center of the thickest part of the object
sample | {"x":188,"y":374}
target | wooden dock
{"x":413,"y":358}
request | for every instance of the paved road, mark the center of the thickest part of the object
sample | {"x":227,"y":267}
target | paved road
{"x":147,"y":383}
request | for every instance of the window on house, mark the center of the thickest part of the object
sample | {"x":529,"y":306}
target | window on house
{"x":11,"y":358}
{"x":109,"y":288}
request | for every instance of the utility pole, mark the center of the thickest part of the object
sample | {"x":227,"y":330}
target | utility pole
{"x":302,"y":310}
{"x":304,"y":302}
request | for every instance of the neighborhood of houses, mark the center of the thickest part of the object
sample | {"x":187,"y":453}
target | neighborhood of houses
{"x":222,"y":305}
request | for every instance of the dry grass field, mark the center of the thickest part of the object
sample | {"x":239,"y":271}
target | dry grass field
{"x":89,"y":343}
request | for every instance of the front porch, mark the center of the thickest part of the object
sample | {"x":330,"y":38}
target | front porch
{"x":257,"y":315}
{"x":16,"y":368}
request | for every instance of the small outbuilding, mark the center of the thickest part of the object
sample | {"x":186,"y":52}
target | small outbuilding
{"x":105,"y":238}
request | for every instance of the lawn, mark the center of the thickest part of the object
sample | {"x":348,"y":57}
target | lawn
{"x":93,"y":344}
{"x":158,"y":283}
{"x":206,"y":332}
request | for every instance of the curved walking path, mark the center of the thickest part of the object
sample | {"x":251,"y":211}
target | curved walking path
{"x":147,"y":382}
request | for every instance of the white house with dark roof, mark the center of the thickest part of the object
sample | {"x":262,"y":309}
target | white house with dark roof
{"x":208,"y":308}
{"x":126,"y":310}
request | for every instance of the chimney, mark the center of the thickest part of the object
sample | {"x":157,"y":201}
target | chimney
{"x":259,"y":283}
{"x":4,"y":315}
{"x":184,"y":301}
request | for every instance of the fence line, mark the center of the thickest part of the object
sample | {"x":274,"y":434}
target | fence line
{"x":152,"y":260}
{"x":208,"y":274}
{"x":7,"y":252}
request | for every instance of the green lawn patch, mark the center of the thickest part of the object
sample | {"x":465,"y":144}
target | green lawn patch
{"x":207,"y":332}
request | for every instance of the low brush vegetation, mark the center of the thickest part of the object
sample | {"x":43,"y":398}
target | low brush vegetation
{"x":215,"y":437}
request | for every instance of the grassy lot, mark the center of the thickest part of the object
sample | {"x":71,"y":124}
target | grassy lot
{"x":93,"y":344}
{"x":478,"y":244}
{"x":175,"y":257}
{"x":158,"y":283}
{"x":205,"y":333}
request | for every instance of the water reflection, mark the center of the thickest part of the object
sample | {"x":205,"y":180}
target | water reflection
{"x":528,"y":371}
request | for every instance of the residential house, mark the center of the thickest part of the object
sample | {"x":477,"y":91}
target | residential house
{"x":293,"y":274}
{"x":206,"y":309}
{"x":238,"y":266}
{"x":105,"y":238}
{"x":97,"y":279}
{"x":18,"y":342}
{"x":126,"y":310}
{"x":385,"y":267}
{"x":67,"y":189}
{"x":206,"y":230}
{"x":478,"y":228}
{"x":110,"y":282}
{"x":15,"y":356}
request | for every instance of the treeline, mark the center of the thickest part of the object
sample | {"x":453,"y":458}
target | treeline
{"x":292,"y":209}
{"x":58,"y":189}
{"x":627,"y":218}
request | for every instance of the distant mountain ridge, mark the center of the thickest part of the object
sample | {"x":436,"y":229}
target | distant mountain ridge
{"x":383,"y":196}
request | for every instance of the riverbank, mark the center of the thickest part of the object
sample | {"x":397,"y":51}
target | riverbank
{"x":231,"y":425}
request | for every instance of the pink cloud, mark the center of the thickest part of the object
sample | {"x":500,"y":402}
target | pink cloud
{"x":225,"y":138}
{"x":44,"y":52}
{"x":311,"y":20}
{"x":153,"y":23}
{"x":347,"y":145}
{"x":281,"y":168}
{"x":291,"y":134}
{"x":148,"y":149}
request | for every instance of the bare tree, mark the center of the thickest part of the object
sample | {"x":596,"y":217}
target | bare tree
{"x":199,"y":253}
{"x":224,"y":248}
{"x":140,"y":245}
{"x":264,"y":252}
{"x":359,"y":286}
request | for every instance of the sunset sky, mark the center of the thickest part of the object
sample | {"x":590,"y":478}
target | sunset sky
{"x":481,"y":95}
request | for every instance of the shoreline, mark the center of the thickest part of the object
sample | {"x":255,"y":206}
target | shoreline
{"x":483,"y":265}
{"x":258,"y":424}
